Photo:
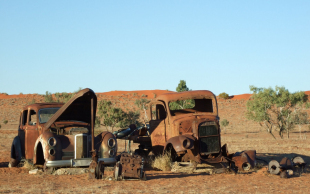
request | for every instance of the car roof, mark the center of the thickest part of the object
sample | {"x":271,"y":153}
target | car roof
{"x":196,"y":94}
{"x":38,"y":106}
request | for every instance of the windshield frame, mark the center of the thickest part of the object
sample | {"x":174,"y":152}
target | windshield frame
{"x":192,"y":110}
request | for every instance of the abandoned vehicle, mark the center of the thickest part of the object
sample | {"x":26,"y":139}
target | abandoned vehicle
{"x":60,"y":135}
{"x":187,"y":125}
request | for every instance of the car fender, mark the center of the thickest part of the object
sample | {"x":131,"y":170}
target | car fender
{"x":101,"y":144}
{"x":181,"y":143}
{"x":42,"y":141}
{"x":16,"y":149}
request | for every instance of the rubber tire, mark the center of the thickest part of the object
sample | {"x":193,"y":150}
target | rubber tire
{"x":99,"y":170}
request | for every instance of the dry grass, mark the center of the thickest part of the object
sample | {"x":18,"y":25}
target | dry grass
{"x":26,"y":164}
{"x":162,"y":162}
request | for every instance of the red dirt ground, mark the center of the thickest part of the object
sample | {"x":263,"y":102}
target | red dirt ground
{"x":18,"y":180}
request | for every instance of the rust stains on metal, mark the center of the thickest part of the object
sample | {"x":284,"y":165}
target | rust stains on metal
{"x":245,"y":160}
{"x":187,"y":125}
{"x":58,"y":135}
{"x":130,"y":167}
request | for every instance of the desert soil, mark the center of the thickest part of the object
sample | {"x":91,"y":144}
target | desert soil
{"x":18,"y":180}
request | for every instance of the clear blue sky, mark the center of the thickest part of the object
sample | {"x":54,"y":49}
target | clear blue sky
{"x":222,"y":46}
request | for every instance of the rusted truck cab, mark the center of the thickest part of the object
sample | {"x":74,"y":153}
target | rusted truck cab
{"x":187,"y":124}
{"x":60,"y":135}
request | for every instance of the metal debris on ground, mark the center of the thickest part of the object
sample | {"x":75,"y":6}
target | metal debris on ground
{"x":286,"y":167}
{"x":245,"y":160}
{"x":130,"y":167}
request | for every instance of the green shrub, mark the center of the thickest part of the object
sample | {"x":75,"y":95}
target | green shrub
{"x":224,"y":123}
{"x":5,"y":121}
{"x":48,"y":97}
{"x":32,"y":102}
{"x":224,"y":95}
{"x":277,"y":109}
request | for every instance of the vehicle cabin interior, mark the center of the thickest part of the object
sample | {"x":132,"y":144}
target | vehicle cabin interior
{"x":198,"y":106}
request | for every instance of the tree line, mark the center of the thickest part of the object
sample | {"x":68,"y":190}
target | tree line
{"x":273,"y":109}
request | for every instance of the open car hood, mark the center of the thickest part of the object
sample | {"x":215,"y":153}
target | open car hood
{"x":78,"y":108}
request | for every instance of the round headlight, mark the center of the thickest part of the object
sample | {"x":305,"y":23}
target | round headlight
{"x":111,"y":142}
{"x":186,"y":143}
{"x":52,"y":141}
{"x":52,"y":152}
{"x":111,"y":152}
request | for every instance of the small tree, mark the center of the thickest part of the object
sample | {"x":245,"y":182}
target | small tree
{"x":224,"y":123}
{"x":5,"y":122}
{"x":182,"y":86}
{"x":48,"y":97}
{"x":300,"y":117}
{"x":273,"y":108}
{"x":109,"y":116}
{"x":142,"y":104}
{"x":224,"y":95}
{"x":130,"y":118}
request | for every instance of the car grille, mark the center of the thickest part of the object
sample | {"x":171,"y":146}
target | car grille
{"x":81,"y":146}
{"x":209,"y":145}
{"x":208,"y":138}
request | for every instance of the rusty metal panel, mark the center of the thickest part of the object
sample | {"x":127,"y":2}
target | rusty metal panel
{"x":245,"y":160}
{"x":158,"y":132}
{"x":31,"y":136}
{"x":185,"y":127}
{"x":67,"y":146}
{"x":286,"y":163}
{"x":81,"y":146}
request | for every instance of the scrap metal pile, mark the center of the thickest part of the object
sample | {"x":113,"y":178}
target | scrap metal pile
{"x":286,"y":167}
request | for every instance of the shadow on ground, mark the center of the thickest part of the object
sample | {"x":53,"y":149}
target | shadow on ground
{"x":171,"y":175}
{"x":274,"y":156}
{"x":4,"y":164}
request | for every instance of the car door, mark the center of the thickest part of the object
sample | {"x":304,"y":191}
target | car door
{"x":158,"y":124}
{"x":21,"y":130}
{"x":31,"y":133}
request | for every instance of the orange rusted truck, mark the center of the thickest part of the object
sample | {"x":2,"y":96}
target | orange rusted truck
{"x":62,"y":135}
{"x":187,"y":125}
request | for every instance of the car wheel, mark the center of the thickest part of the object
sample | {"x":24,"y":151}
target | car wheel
{"x":99,"y":170}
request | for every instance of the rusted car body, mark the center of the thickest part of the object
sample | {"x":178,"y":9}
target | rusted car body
{"x":191,"y":134}
{"x":59,"y":135}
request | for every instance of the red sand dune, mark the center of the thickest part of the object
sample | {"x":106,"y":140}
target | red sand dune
{"x":148,"y":93}
{"x":5,"y":96}
{"x":241,"y":96}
